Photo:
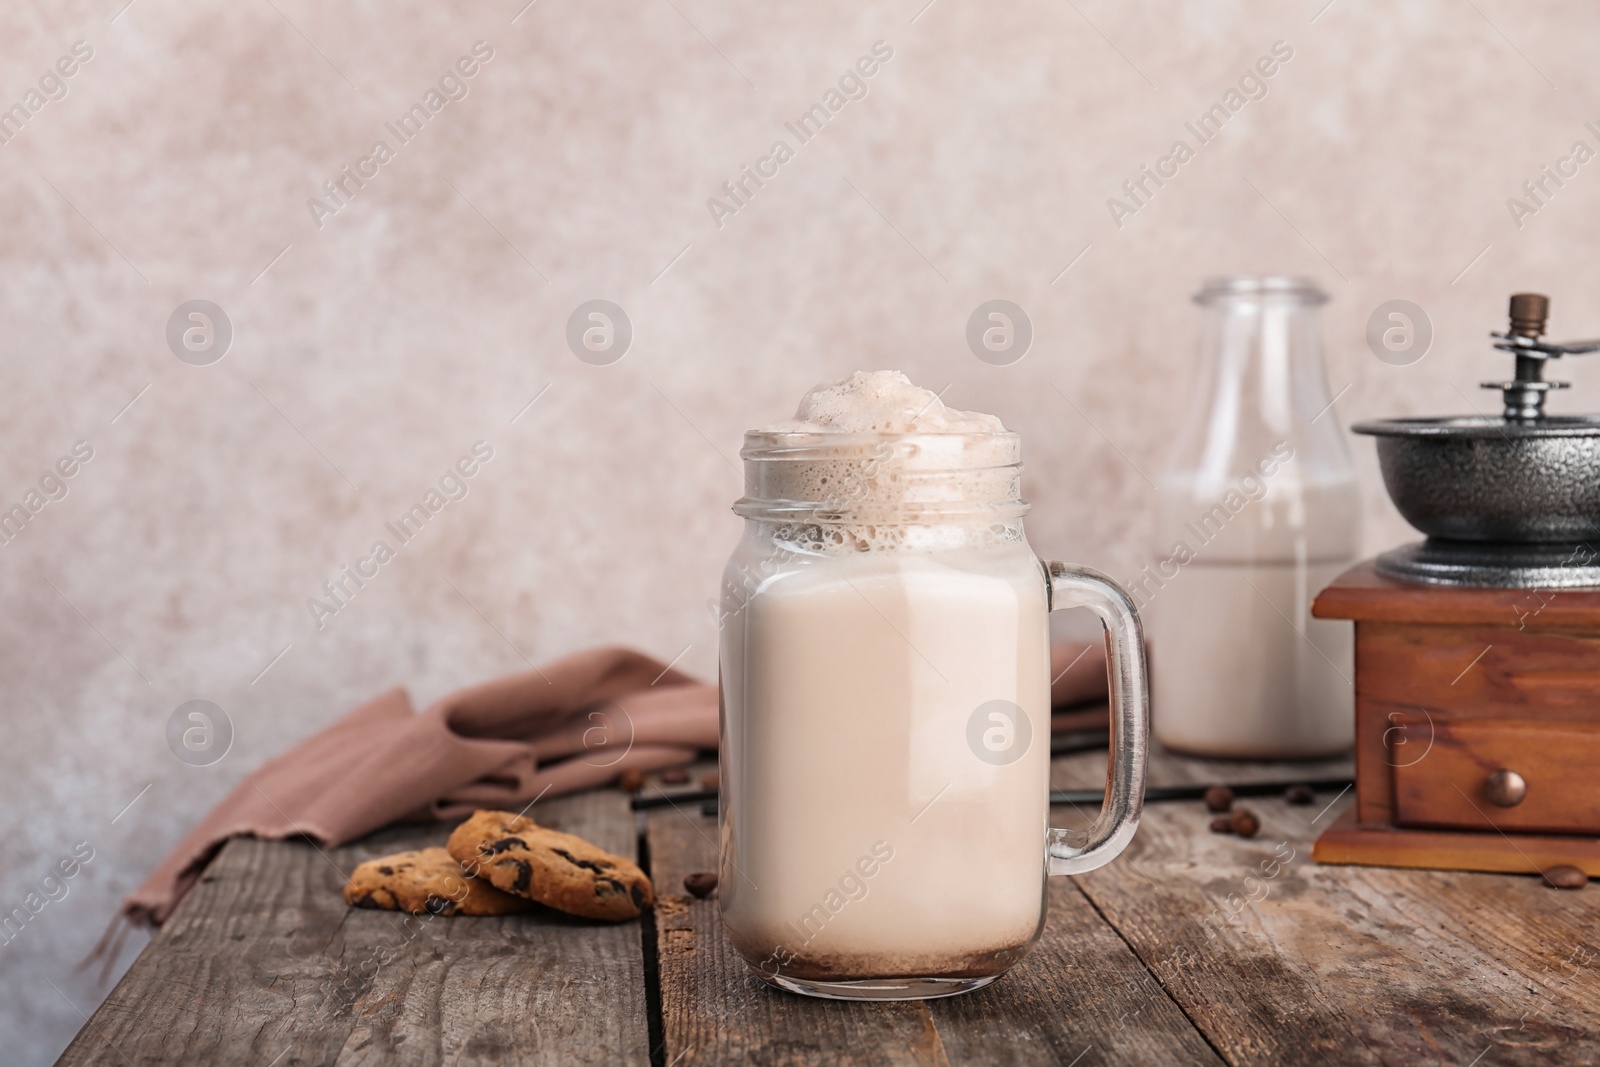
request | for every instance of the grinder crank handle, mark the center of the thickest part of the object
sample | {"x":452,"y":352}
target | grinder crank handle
{"x":1529,"y":312}
{"x":1527,"y":346}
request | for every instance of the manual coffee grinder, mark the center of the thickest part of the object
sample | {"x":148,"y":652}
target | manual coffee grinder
{"x":1477,"y":651}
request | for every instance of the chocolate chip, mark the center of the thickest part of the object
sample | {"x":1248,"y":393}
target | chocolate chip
{"x":674,"y":776}
{"x":524,"y":871}
{"x":504,"y":843}
{"x":1219,"y":798}
{"x":1300,"y":794}
{"x":1565,"y":877}
{"x":1245,"y":823}
{"x":1222,"y":825}
{"x":631,"y":780}
{"x":386,"y":870}
{"x":700,"y":883}
{"x":710,"y":781}
{"x":587,"y":865}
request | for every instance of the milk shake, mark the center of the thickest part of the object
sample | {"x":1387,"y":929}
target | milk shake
{"x":885,"y":679}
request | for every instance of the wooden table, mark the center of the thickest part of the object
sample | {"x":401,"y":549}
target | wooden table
{"x":1186,"y":950}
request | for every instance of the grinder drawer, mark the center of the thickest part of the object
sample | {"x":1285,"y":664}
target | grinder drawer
{"x":1488,"y":774}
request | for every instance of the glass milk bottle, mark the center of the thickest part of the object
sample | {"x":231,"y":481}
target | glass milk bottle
{"x":1258,"y":510}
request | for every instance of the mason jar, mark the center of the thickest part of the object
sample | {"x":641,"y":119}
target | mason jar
{"x":885,"y":749}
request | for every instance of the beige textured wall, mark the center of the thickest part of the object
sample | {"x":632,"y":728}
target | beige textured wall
{"x":427,"y":312}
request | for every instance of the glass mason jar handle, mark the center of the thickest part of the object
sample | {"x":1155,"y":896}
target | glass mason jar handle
{"x":1077,"y":851}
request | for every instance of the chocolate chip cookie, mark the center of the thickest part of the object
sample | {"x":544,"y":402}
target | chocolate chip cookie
{"x":519,"y":856}
{"x":426,"y":880}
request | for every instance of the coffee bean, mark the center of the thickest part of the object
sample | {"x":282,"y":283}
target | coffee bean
{"x":1222,"y":825}
{"x":674,"y":776}
{"x":631,"y":780}
{"x":710,"y":781}
{"x":1219,"y":798}
{"x":1300,"y":794}
{"x":700,"y":883}
{"x":1565,"y":877}
{"x":1245,"y":823}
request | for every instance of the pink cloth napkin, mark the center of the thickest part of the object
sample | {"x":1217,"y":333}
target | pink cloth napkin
{"x":573,"y":724}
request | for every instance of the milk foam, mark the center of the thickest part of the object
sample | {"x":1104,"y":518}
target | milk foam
{"x":881,"y":401}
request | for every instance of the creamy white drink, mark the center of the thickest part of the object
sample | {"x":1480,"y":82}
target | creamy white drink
{"x":1240,"y":668}
{"x":885,"y":812}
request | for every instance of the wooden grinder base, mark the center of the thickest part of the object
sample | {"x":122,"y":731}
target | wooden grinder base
{"x":1454,"y":685}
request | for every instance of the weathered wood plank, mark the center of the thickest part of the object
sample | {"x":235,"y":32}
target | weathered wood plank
{"x":1285,"y":961}
{"x":715,"y":1011}
{"x":264,"y":962}
{"x":1079,"y":996}
{"x":540,"y":987}
{"x":1080,"y":989}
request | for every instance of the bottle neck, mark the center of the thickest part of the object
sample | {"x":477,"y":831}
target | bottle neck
{"x":1260,"y":469}
{"x":1259,"y":386}
{"x":1260,"y":363}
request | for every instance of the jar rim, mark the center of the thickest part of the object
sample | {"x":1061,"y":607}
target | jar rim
{"x":869,"y":477}
{"x":1287,"y":286}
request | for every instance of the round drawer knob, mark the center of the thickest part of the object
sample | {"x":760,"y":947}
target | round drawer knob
{"x":1505,"y":788}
